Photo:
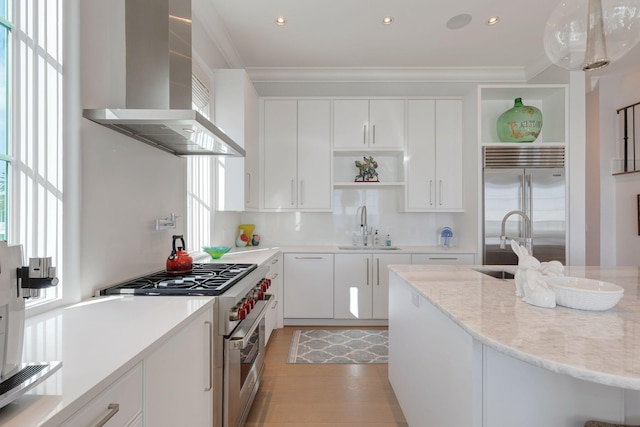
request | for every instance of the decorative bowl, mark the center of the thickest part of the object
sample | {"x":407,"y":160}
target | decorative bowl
{"x":216,"y":251}
{"x":585,"y":294}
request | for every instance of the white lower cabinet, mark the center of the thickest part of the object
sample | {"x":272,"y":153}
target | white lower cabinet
{"x":443,"y":258}
{"x":308,"y":286}
{"x":178,"y":377}
{"x":273,"y":317}
{"x":361,"y":283}
{"x":118,"y":405}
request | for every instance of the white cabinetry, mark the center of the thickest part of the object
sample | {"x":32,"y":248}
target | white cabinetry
{"x":361,"y":284}
{"x":120,"y":404}
{"x":434,"y":152}
{"x":368,"y":124}
{"x":297,"y":158}
{"x":273,"y":317}
{"x":432,"y":362}
{"x":308,"y":286}
{"x":236,"y":112}
{"x":443,"y":258}
{"x":178,"y":377}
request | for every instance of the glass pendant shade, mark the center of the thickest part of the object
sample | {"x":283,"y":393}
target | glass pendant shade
{"x":589,"y":34}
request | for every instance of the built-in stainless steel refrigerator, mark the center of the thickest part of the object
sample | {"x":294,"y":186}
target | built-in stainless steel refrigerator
{"x":530,"y":180}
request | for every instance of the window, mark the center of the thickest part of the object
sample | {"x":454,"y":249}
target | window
{"x":35,"y":192}
{"x":5,"y":28}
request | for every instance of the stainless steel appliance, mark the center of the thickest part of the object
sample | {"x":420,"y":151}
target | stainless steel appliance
{"x":239,"y":336}
{"x":524,"y":197}
{"x":16,"y":284}
{"x":159,"y":84}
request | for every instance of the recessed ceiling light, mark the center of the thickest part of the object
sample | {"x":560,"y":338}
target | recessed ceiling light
{"x":280,"y":20}
{"x":459,"y":21}
{"x":493,"y":20}
{"x":387,"y":20}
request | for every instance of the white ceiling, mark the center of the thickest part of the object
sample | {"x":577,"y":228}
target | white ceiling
{"x":349,"y":33}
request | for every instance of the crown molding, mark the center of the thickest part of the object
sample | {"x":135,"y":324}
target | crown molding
{"x":387,"y":74}
{"x":217,"y":32}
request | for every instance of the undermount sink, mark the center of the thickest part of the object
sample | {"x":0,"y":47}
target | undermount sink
{"x":369,"y":248}
{"x":498,"y":274}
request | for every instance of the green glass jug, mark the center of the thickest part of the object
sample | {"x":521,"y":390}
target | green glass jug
{"x":522,"y":123}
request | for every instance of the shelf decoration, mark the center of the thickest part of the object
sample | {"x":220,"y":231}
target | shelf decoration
{"x":522,"y":123}
{"x":367,"y":170}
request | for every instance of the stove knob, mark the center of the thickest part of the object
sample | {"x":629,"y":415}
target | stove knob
{"x":234,"y":314}
{"x":242,"y":313}
{"x":247,"y":307}
{"x":252,"y":302}
{"x":264,"y":286}
{"x":268,"y":283}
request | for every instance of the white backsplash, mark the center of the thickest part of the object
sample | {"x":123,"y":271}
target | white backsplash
{"x":337,"y":227}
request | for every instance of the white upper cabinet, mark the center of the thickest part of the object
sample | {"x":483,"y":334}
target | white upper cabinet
{"x":236,"y":112}
{"x":297,"y":154}
{"x":434,"y":153}
{"x":368,"y":124}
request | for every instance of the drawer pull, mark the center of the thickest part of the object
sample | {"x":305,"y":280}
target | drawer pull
{"x":210,"y":361}
{"x":309,"y":257}
{"x":113,"y":408}
{"x":441,"y":258}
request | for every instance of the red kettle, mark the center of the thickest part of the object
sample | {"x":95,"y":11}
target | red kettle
{"x":179,"y":262}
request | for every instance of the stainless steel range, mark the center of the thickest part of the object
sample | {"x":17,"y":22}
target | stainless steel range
{"x":239,"y":336}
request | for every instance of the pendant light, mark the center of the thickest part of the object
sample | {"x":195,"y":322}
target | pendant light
{"x":590,"y":34}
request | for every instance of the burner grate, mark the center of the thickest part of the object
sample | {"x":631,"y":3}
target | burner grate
{"x":205,"y":279}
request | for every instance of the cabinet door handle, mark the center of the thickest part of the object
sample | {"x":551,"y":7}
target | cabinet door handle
{"x":248,"y":188}
{"x":301,"y":192}
{"x":364,"y":134}
{"x":113,"y":408}
{"x":374,"y":134}
{"x":440,"y":191}
{"x":293,"y":192}
{"x":430,"y":192}
{"x":378,"y":270}
{"x":309,"y":257}
{"x":443,"y":258}
{"x":367,"y":271}
{"x":275,"y":304}
{"x":210,"y":361}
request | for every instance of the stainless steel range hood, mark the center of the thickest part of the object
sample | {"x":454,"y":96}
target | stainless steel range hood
{"x":159,"y":84}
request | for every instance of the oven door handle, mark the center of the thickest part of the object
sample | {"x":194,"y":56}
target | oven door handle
{"x":239,"y":339}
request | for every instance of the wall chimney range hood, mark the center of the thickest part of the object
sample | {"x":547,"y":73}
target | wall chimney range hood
{"x":159,"y":108}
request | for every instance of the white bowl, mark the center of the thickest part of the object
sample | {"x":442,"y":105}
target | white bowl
{"x":585,"y":294}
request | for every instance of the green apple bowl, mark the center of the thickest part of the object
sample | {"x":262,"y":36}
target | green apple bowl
{"x":216,"y":252}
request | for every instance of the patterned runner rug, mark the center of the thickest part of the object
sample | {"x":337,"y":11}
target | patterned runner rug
{"x":339,"y":346}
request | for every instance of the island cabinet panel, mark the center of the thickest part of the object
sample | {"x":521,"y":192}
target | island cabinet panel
{"x":308,"y":286}
{"x":432,"y":362}
{"x":178,"y":377}
{"x":517,"y":394}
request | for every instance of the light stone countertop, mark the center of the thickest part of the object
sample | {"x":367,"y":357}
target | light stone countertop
{"x":97,"y":341}
{"x":601,"y":347}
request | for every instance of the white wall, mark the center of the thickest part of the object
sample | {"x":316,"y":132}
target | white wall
{"x":619,"y":240}
{"x":125,"y":184}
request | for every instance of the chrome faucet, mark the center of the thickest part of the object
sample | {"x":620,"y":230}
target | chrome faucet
{"x":527,"y":237}
{"x":363,"y":223}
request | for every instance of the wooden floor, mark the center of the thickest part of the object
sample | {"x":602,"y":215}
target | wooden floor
{"x":321,"y":395}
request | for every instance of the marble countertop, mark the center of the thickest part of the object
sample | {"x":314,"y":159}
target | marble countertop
{"x":601,"y":347}
{"x":97,"y":341}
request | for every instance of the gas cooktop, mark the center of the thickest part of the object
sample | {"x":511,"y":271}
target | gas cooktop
{"x":205,"y":279}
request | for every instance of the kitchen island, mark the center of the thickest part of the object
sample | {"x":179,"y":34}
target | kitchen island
{"x":465,"y":351}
